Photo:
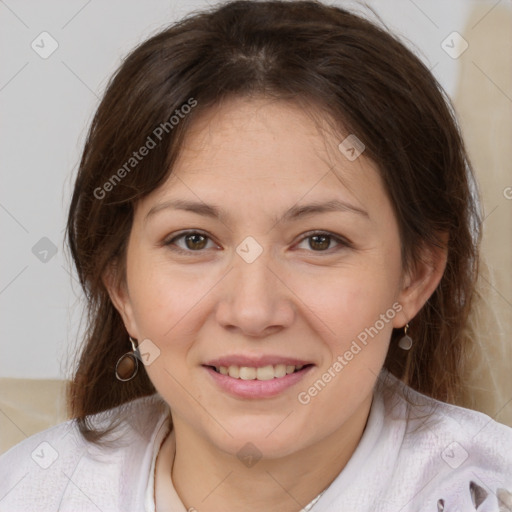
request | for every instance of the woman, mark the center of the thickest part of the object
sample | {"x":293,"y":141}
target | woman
{"x":274,"y":228}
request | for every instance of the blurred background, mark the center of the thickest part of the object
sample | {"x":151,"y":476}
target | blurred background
{"x":55,"y":61}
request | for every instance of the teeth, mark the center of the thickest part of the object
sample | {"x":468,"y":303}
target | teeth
{"x":233,"y":371}
{"x":265,"y":373}
{"x":247,"y":373}
{"x":279,"y":370}
{"x":268,"y":372}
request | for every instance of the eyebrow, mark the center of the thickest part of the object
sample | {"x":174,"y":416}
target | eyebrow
{"x":294,"y":213}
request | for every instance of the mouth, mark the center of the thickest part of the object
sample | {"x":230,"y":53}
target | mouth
{"x":260,"y":376}
{"x":261,"y":373}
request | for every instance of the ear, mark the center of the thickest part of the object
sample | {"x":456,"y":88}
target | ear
{"x":118,"y":293}
{"x":421,"y":280}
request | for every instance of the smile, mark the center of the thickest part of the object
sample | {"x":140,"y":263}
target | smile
{"x":256,"y":378}
{"x":267,"y":372}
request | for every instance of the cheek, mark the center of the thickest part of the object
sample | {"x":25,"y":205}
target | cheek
{"x":164,"y":305}
{"x":162,"y":296}
{"x":344,"y":303}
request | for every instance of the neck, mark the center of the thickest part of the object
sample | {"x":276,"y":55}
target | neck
{"x":211,"y":480}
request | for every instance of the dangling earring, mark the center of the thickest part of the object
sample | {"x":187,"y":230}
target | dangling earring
{"x":405,"y":341}
{"x":128,"y":364}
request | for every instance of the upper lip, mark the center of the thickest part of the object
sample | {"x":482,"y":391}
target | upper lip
{"x":255,"y":361}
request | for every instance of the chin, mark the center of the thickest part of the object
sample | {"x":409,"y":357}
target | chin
{"x":260,"y":439}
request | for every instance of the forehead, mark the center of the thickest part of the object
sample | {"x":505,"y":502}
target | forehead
{"x":267,"y":152}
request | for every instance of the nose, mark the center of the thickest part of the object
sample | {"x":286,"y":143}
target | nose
{"x":255,"y":300}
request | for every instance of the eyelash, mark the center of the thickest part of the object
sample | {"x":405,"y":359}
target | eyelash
{"x":342,"y":242}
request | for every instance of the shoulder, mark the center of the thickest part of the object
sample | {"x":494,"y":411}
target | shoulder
{"x":456,"y":456}
{"x":58,"y":468}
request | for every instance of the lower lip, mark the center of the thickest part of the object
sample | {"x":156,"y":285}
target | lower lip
{"x":257,"y":388}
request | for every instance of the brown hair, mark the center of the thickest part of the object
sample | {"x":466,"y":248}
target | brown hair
{"x":358,"y":73}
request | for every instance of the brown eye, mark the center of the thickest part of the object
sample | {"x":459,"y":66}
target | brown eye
{"x":319,"y":242}
{"x":195,"y":241}
{"x":189,"y":241}
{"x":324,"y":242}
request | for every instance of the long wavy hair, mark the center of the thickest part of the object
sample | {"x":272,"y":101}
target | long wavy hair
{"x":352,"y":71}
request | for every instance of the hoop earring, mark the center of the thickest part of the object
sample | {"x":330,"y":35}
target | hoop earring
{"x":127,"y":365}
{"x":405,"y":342}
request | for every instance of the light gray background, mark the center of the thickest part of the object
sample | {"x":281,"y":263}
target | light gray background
{"x":46,"y":106}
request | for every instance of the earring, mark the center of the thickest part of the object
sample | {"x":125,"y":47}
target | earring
{"x":128,"y":364}
{"x":405,"y":341}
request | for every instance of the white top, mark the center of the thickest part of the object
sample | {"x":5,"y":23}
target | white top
{"x":429,"y":456}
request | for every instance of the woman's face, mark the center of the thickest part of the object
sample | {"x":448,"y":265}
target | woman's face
{"x":266,"y":248}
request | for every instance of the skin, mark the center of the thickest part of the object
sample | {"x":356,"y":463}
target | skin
{"x":255,"y":159}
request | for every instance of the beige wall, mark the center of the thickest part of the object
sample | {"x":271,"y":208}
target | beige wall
{"x":483,"y":102}
{"x":28,"y":406}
